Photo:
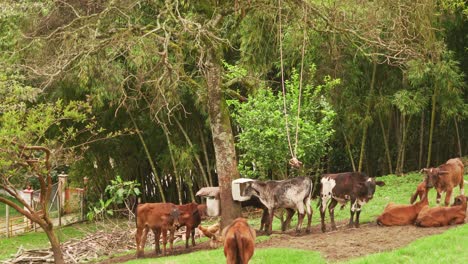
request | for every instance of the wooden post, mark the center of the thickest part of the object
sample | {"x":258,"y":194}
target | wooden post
{"x":7,"y":220}
{"x":59,"y":201}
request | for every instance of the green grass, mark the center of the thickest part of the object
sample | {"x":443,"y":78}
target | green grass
{"x":449,"y":247}
{"x":12,"y":211}
{"x":266,"y":255}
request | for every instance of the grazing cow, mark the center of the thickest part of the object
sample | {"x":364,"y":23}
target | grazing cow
{"x":399,"y":214}
{"x":442,"y":216}
{"x":445,"y":177}
{"x":255,"y":202}
{"x":159,"y":217}
{"x":343,"y":187}
{"x":190,"y":217}
{"x":420,"y":190}
{"x":292,"y":194}
{"x":239,"y":242}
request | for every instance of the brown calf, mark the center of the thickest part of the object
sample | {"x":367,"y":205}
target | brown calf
{"x":399,"y":214}
{"x":158,"y":217}
{"x":420,"y":190}
{"x":445,"y":177}
{"x":190,"y":217}
{"x":239,"y":242}
{"x":442,"y":216}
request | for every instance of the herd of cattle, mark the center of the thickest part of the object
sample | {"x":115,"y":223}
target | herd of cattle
{"x":295,"y":195}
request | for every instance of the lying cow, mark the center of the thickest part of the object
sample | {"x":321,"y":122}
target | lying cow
{"x":159,"y":217}
{"x":343,"y":187}
{"x":420,"y":190}
{"x":190,"y":217}
{"x":442,"y":216}
{"x":399,"y":214}
{"x":445,"y":177}
{"x":292,"y":194}
{"x":239,"y":242}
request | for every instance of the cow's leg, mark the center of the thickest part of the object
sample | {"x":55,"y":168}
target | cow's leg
{"x":323,"y":207}
{"x":301,"y":214}
{"x":462,"y":190}
{"x":271,"y":214}
{"x":358,"y":212}
{"x":309,"y":214}
{"x":331,"y":212}
{"x":141,"y":252}
{"x":164,"y":237}
{"x":448,"y":195}
{"x":290,"y":212}
{"x":171,"y":239}
{"x":352,"y":210}
{"x":264,"y":222}
{"x":459,"y":219}
{"x":138,"y":238}
{"x":193,"y":237}
{"x":157,"y":236}
{"x":438,"y":197}
{"x":188,"y":230}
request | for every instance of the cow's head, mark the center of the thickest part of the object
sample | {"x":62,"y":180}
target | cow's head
{"x":175,"y":214}
{"x":369,"y":187}
{"x":459,"y":200}
{"x":432,"y":176}
{"x":252,"y":188}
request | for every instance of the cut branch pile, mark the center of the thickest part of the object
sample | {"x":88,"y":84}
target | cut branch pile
{"x":90,"y":247}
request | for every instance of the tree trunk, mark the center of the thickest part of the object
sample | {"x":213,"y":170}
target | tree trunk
{"x":196,"y":156}
{"x":400,"y":147}
{"x":207,"y":160}
{"x":223,"y":139}
{"x":431,"y":129}
{"x":458,"y":137}
{"x":174,"y":166}
{"x":150,"y":160}
{"x":54,"y":244}
{"x":387,"y":149}
{"x":421,"y":141}
{"x":348,"y":149}
{"x":364,"y":133}
{"x":403,"y":145}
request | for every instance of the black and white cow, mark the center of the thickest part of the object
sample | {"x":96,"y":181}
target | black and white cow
{"x":340,"y":188}
{"x":292,"y":194}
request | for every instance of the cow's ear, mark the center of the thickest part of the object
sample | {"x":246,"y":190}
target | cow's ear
{"x":380,"y":183}
{"x":424,"y":170}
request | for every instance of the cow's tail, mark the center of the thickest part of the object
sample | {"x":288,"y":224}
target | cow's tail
{"x":414,"y":197}
{"x":239,"y":246}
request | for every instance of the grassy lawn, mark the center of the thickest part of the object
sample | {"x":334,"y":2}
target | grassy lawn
{"x":12,"y":211}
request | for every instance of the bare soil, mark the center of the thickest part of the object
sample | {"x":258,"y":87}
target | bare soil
{"x":345,"y":243}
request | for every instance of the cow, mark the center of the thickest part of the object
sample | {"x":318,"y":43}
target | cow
{"x":291,"y":194}
{"x":239,"y":242}
{"x":159,"y":217}
{"x":340,"y":188}
{"x":444,"y":178}
{"x":190,"y":217}
{"x":399,"y":214}
{"x":420,"y":190}
{"x":442,"y":216}
{"x":255,"y":202}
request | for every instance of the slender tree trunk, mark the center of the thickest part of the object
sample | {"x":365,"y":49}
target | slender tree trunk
{"x":364,"y":133}
{"x":348,"y":149}
{"x":458,"y":137}
{"x":150,"y":159}
{"x":174,"y":166}
{"x":207,"y":160}
{"x":387,"y":149}
{"x":54,"y":244}
{"x":197,"y":157}
{"x":403,"y":145}
{"x":223,"y":139}
{"x":400,"y":148}
{"x":431,"y":128}
{"x":421,"y":141}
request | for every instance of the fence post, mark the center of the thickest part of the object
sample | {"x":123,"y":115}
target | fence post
{"x":7,"y":220}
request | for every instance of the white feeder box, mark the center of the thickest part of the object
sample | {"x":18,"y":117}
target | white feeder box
{"x":238,"y":186}
{"x":213,"y":205}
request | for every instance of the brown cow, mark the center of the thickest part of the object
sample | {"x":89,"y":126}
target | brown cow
{"x":420,"y":190}
{"x":158,"y":217}
{"x":442,"y":216}
{"x":239,"y":242}
{"x":445,"y":177}
{"x":190,"y":217}
{"x":399,"y":214}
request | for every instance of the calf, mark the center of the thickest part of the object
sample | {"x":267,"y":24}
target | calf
{"x":445,"y":177}
{"x":442,"y":216}
{"x":292,"y":194}
{"x":189,"y":217}
{"x":343,"y":187}
{"x":158,"y":217}
{"x":255,"y":202}
{"x":239,"y":242}
{"x":399,"y":214}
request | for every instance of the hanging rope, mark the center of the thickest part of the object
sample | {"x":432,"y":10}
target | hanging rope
{"x":294,"y":162}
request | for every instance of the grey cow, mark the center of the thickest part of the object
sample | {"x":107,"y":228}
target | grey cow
{"x":292,"y":194}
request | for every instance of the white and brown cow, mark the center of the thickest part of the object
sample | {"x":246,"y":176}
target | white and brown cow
{"x":340,"y":188}
{"x":292,"y":194}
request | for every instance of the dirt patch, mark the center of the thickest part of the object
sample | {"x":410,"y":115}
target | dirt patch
{"x":345,"y":243}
